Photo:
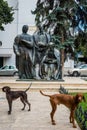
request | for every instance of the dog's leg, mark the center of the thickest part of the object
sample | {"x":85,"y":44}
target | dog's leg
{"x":22,"y":100}
{"x":10,"y":106}
{"x":72,"y":118}
{"x":28,"y":104}
{"x":54,"y":106}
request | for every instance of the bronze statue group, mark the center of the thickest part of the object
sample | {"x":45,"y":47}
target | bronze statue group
{"x":36,"y":56}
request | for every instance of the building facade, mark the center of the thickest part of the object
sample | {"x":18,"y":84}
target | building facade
{"x":22,"y":16}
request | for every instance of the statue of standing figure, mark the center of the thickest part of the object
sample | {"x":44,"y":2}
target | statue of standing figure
{"x":41,"y":42}
{"x":36,"y":56}
{"x":23,"y":49}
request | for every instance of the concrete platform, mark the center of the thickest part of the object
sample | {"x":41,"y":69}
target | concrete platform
{"x":72,"y":84}
{"x":39,"y":116}
{"x":36,"y":119}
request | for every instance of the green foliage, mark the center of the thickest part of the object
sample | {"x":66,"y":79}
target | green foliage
{"x":6,"y":14}
{"x":81,"y":114}
{"x":57,"y":17}
{"x":81,"y":43}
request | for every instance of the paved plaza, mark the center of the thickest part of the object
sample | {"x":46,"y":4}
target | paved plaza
{"x":37,"y":119}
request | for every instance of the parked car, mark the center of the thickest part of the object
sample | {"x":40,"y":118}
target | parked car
{"x":78,"y":71}
{"x":9,"y":70}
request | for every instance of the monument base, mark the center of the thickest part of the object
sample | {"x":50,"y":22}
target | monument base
{"x":41,"y":80}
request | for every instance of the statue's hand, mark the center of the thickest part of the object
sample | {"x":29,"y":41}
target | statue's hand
{"x":17,"y":53}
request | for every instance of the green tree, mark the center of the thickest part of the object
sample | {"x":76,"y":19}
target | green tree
{"x":81,"y":44}
{"x":6,"y":14}
{"x":81,"y":39}
{"x":56,"y":16}
{"x":61,"y":19}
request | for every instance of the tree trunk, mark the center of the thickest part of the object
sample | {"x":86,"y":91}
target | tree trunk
{"x":62,"y":56}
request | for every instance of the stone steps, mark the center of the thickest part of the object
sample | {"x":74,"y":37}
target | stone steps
{"x":45,"y":85}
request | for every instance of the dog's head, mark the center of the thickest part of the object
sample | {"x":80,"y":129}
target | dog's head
{"x":79,"y":97}
{"x":6,"y":89}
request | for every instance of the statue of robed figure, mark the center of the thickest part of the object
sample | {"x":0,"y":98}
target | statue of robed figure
{"x":23,"y":48}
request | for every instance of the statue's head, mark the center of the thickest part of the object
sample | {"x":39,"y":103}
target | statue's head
{"x":25,"y":28}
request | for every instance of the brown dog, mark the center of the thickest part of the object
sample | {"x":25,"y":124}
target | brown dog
{"x":12,"y":95}
{"x":68,"y":100}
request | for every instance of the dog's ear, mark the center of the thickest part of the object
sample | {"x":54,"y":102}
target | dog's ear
{"x":79,"y":98}
{"x":3,"y":89}
{"x":6,"y":89}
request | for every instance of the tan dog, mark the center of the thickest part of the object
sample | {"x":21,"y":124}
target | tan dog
{"x":68,"y":100}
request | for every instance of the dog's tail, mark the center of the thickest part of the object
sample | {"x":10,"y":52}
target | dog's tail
{"x":28,"y":88}
{"x":44,"y":94}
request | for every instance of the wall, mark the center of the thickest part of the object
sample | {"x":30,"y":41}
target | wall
{"x":25,"y":15}
{"x":22,"y":15}
{"x":7,"y":36}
